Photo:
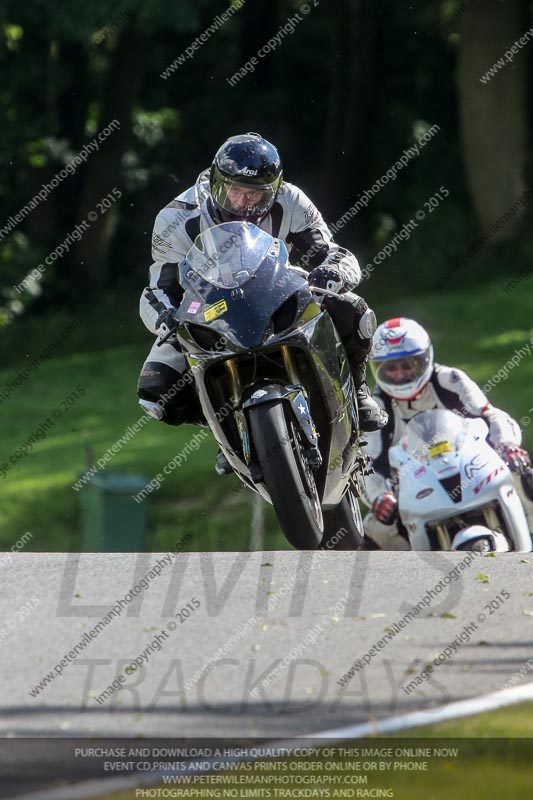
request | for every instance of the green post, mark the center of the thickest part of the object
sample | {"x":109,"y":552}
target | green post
{"x":112,"y":521}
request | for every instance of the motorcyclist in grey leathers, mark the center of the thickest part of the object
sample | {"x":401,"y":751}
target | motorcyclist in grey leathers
{"x":245,"y":182}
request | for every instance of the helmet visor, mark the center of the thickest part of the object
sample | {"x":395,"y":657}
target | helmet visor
{"x":402,"y":371}
{"x":244,"y":201}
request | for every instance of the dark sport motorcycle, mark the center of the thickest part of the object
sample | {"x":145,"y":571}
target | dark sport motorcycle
{"x":274,"y":381}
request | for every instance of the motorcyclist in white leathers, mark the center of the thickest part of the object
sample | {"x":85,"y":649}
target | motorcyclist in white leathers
{"x":246,"y":183}
{"x":408,"y":382}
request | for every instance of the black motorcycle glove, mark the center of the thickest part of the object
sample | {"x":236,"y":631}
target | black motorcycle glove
{"x":326,"y":278}
{"x":166,"y":322}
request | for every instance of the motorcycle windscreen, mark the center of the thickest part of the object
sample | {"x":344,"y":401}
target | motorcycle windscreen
{"x":434,"y":433}
{"x":242,"y":276}
{"x":230,"y":254}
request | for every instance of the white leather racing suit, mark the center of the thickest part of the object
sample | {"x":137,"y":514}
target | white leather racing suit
{"x":447,"y":388}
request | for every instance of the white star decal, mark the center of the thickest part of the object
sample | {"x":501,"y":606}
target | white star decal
{"x":301,"y":408}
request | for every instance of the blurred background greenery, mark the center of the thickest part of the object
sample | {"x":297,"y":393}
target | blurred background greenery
{"x":343,"y":96}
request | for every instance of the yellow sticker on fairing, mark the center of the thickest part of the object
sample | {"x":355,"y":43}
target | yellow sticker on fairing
{"x":216,"y":310}
{"x":439,"y":449}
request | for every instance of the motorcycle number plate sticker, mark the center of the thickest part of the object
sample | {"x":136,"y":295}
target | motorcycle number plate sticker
{"x":439,"y":449}
{"x":216,"y":310}
{"x":194,"y":307}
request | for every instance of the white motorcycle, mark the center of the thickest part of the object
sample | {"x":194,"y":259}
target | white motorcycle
{"x":454,"y":491}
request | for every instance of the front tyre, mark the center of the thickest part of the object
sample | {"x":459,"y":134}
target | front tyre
{"x":287,"y":476}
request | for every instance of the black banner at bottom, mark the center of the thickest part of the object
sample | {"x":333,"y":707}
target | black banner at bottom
{"x":409,"y":768}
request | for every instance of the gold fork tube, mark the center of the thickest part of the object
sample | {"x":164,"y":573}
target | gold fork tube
{"x":289,"y":364}
{"x":235,"y":381}
{"x":491,"y":518}
{"x":443,"y":536}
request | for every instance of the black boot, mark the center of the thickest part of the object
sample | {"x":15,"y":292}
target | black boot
{"x":372,"y":417}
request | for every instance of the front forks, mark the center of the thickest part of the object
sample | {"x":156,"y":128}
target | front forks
{"x":235,"y":382}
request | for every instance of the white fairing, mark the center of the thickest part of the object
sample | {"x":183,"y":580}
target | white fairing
{"x":442,"y":446}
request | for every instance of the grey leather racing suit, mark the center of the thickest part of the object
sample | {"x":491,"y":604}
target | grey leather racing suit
{"x":294,"y":219}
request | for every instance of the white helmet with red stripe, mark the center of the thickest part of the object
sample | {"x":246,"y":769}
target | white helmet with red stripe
{"x":402,"y":358}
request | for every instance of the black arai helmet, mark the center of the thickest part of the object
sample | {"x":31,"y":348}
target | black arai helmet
{"x":245,"y":178}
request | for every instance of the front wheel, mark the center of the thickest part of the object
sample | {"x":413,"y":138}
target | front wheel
{"x":287,"y":476}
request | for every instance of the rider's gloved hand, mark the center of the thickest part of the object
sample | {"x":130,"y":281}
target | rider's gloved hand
{"x":385,"y":508}
{"x":165,"y":322}
{"x":516,"y":458}
{"x":326,"y":278}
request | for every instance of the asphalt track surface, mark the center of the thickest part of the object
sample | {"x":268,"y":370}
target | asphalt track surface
{"x":310,"y":615}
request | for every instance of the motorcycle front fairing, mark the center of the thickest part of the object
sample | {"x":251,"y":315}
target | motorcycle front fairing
{"x":446,"y":468}
{"x":248,"y":300}
{"x":243,"y":324}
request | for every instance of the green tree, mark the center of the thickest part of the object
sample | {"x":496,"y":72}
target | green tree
{"x":493,"y":113}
